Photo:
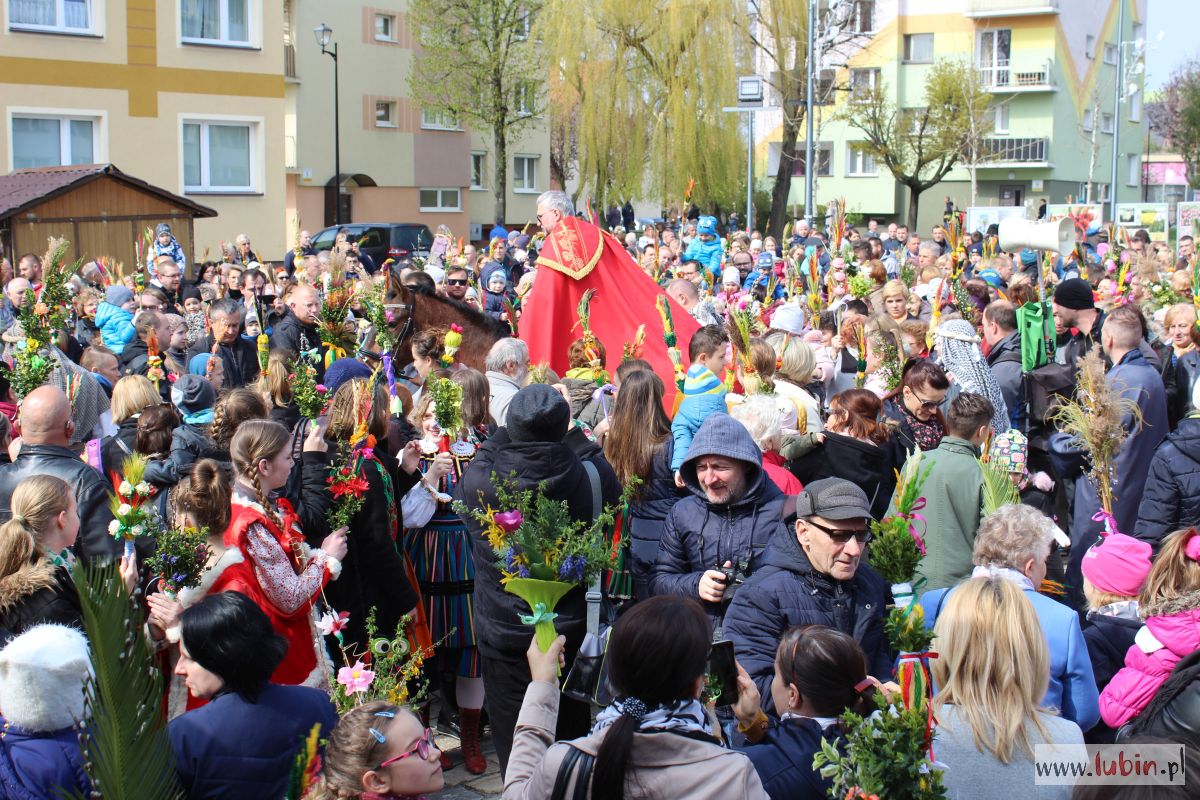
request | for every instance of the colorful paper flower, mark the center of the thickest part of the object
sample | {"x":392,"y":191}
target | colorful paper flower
{"x":357,"y":679}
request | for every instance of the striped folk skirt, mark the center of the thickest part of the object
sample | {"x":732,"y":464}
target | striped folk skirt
{"x":445,"y":568}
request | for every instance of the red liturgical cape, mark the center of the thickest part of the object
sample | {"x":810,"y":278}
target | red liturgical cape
{"x":578,"y":256}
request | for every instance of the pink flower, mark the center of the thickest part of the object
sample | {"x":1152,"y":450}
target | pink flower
{"x":357,"y":679}
{"x":320,"y":387}
{"x":508,"y":521}
{"x":839,"y":290}
{"x":839,"y":276}
{"x":329,"y":625}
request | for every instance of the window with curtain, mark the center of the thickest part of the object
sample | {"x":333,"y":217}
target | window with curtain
{"x":525,"y":173}
{"x":216,"y":21}
{"x":219,"y":156}
{"x":66,"y":16}
{"x":53,"y":141}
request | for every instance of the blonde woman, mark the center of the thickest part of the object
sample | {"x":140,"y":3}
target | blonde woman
{"x":894,"y":302}
{"x":795,"y":363}
{"x":132,"y":395}
{"x":992,"y":670}
{"x":1180,"y":359}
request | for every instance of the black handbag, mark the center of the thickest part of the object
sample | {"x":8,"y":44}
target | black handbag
{"x":587,"y":680}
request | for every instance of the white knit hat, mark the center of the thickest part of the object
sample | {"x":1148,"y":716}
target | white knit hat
{"x":42,"y":673}
{"x":790,"y":318}
{"x":731,"y":275}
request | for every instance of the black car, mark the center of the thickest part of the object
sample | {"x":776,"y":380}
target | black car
{"x":398,"y":241}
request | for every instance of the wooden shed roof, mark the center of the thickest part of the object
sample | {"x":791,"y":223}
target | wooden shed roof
{"x":24,"y":188}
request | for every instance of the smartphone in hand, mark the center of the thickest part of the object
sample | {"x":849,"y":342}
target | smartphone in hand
{"x":721,"y":682}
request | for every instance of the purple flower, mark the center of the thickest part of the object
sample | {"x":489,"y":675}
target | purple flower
{"x":572,"y":569}
{"x":508,"y":521}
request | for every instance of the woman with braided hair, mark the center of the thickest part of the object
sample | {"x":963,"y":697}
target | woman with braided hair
{"x":289,"y":575}
{"x":958,"y":351}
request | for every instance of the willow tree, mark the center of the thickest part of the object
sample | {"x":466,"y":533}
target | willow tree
{"x":478,"y":62}
{"x":651,"y":80}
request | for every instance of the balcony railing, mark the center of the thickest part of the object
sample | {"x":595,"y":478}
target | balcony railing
{"x":1010,"y":8}
{"x":1016,"y":151}
{"x":1001,"y":75}
{"x":289,"y":60}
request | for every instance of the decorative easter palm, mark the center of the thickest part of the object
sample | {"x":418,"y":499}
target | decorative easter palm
{"x":179,"y":558}
{"x":669,"y":339}
{"x":133,"y":516}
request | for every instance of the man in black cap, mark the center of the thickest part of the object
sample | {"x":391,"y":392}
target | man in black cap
{"x":813,"y":577}
{"x":1077,"y":321}
{"x":533,"y":449}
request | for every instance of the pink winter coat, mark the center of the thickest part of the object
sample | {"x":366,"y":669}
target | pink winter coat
{"x":1172,"y":631}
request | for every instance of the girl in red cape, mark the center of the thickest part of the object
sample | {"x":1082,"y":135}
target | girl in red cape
{"x":288,"y":574}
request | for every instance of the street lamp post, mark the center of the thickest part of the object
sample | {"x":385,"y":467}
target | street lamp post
{"x":323,"y":33}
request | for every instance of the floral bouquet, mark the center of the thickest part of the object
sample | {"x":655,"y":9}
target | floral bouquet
{"x":886,"y":755}
{"x":310,"y":396}
{"x":45,"y":312}
{"x":860,"y":286}
{"x":346,"y":482}
{"x":133,"y":517}
{"x":541,"y":552}
{"x":179,"y":559}
{"x":30,"y":368}
{"x":447,"y":409}
{"x":339,"y":340}
{"x":389,"y":670}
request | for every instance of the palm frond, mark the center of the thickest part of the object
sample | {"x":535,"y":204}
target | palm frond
{"x":126,"y":751}
{"x":998,"y":488}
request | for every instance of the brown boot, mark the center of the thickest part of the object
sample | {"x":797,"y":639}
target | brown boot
{"x":468,"y":722}
{"x":423,"y":714}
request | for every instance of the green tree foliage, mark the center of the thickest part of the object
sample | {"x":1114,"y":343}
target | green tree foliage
{"x":920,"y":146}
{"x":650,"y":81}
{"x":1180,"y":117}
{"x":478,"y":61}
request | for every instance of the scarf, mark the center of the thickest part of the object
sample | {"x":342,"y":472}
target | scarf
{"x":683,"y":716}
{"x":1007,"y":573}
{"x":958,"y":350}
{"x":926,"y":435}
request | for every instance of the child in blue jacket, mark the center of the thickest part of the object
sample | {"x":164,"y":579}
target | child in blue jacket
{"x":706,"y":249}
{"x":165,"y":244}
{"x":703,"y":391}
{"x":114,"y":318}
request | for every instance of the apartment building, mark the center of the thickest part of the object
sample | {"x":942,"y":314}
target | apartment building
{"x":400,"y":162}
{"x":1052,"y":70}
{"x":187,"y":95}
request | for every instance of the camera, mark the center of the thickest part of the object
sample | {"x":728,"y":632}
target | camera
{"x":735,"y":576}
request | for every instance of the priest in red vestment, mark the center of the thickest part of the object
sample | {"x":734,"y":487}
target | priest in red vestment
{"x":577,"y":256}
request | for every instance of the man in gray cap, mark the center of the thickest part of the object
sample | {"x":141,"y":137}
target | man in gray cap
{"x":813,"y":577}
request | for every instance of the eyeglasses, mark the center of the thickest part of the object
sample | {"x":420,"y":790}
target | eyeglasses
{"x":456,"y":281}
{"x":424,"y":746}
{"x":841,"y":537}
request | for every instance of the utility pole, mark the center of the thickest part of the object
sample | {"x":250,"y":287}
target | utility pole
{"x":1118,"y":85}
{"x":809,"y":148}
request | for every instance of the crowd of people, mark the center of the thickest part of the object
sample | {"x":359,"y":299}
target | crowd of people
{"x":1068,"y":617}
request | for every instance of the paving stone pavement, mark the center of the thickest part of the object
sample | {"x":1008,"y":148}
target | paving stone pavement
{"x":462,"y":785}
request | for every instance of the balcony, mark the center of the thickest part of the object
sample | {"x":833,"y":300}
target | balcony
{"x":1006,"y":152}
{"x":1000,"y":76}
{"x":289,"y":60}
{"x":983,"y":9}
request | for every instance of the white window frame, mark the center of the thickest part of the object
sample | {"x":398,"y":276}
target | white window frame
{"x":95,"y":20}
{"x":1000,"y":118}
{"x":521,"y":166}
{"x":1135,"y":106}
{"x":1106,"y":122}
{"x":905,"y":49}
{"x":1089,"y":120}
{"x":856,"y":17}
{"x":481,"y":172}
{"x":856,"y":161}
{"x":858,"y":91}
{"x":1110,"y":53}
{"x":391,"y":24}
{"x":523,"y":100}
{"x":99,"y":120}
{"x":437,"y":120}
{"x":1089,"y":46}
{"x":390,"y":122}
{"x":441,"y":206}
{"x":825,"y":147}
{"x":524,"y":26}
{"x":253,"y":26}
{"x":256,"y":146}
{"x":1133,"y":166}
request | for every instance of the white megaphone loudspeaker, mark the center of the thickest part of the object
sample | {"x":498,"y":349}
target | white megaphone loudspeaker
{"x":1016,"y":234}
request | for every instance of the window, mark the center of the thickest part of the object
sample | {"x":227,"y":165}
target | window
{"x":385,"y":114}
{"x":46,"y":141}
{"x":860,"y":162}
{"x":1110,"y":54}
{"x":1099,"y":193}
{"x":1133,"y":164}
{"x":524,"y":101}
{"x":223,"y":22}
{"x":524,"y":25}
{"x":825,"y":86}
{"x":824,"y":156}
{"x":438,"y":120}
{"x":440,"y":200}
{"x":385,"y":28}
{"x":992,"y":51}
{"x":1135,"y":106}
{"x":862,"y":16}
{"x":525,"y":173}
{"x":863,"y":82}
{"x":1000,"y":120}
{"x":1089,"y":47}
{"x":1106,"y":123}
{"x":918,"y":48}
{"x":219,"y":156}
{"x":1089,"y":119}
{"x":478,"y":164}
{"x":56,"y":16}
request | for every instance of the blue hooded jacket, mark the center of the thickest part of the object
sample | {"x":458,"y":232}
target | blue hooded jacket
{"x":116,"y":326}
{"x":700,"y":535}
{"x":706,"y":254}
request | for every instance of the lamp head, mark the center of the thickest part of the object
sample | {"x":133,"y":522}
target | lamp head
{"x":323,"y":33}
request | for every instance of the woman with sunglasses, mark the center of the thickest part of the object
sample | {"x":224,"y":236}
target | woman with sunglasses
{"x":916,"y":405}
{"x":242,"y":743}
{"x":379,"y":751}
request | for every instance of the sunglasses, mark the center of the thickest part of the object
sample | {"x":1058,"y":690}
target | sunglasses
{"x":456,"y":281}
{"x":841,"y":537}
{"x":926,"y":405}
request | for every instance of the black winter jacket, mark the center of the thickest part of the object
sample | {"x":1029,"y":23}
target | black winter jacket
{"x":239,"y":360}
{"x":36,"y":594}
{"x":1171,"y":497}
{"x":92,"y":493}
{"x":788,"y":592}
{"x":112,"y":454}
{"x":648,"y":516}
{"x":869,"y":465}
{"x":287,"y":334}
{"x":497,"y":626}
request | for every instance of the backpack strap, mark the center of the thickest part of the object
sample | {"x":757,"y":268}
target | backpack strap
{"x":575,"y":761}
{"x":593,"y":593}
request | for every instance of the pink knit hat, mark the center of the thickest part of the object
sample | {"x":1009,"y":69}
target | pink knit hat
{"x":1117,"y":564}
